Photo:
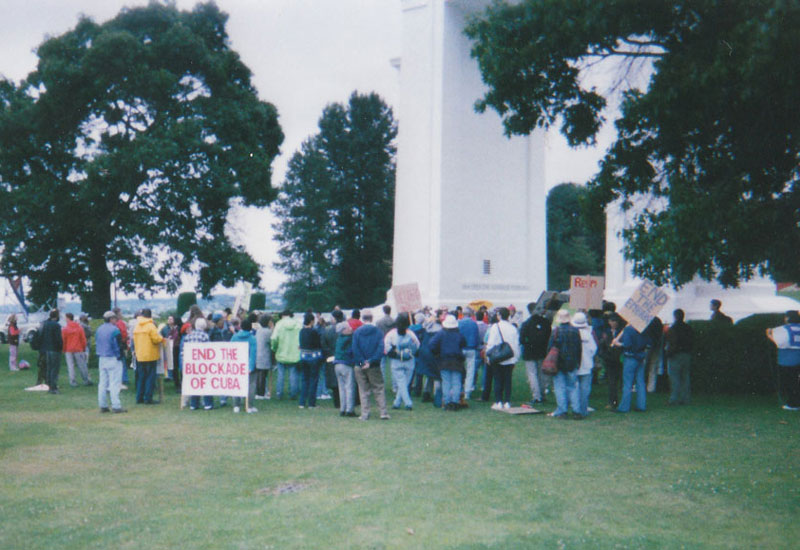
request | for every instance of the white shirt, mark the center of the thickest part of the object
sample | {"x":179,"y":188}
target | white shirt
{"x":588,"y":349}
{"x":510,"y":335}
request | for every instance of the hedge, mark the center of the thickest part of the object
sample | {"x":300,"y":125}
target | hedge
{"x":735,"y":359}
{"x":258,"y":302}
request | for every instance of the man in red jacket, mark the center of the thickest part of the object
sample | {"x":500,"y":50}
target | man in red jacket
{"x":75,"y":350}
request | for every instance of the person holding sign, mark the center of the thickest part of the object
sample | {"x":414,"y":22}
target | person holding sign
{"x":634,"y":351}
{"x":245,"y":334}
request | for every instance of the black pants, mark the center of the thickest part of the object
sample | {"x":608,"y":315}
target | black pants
{"x":176,"y":368}
{"x":261,"y":382}
{"x":502,"y":382}
{"x":487,"y":384}
{"x":53,"y":359}
{"x":789,"y":379}
{"x":613,"y":367}
{"x":41,"y":368}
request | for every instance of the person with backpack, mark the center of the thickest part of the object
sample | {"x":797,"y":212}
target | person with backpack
{"x":400,"y":346}
{"x":567,"y":339}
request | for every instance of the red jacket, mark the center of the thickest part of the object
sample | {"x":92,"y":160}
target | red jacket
{"x":74,"y":337}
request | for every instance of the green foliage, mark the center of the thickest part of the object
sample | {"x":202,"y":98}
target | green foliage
{"x":258,"y":301}
{"x":706,"y":153}
{"x":140,"y":133}
{"x":735,"y":359}
{"x":573,"y":247}
{"x":336,"y":208}
{"x":185,"y":301}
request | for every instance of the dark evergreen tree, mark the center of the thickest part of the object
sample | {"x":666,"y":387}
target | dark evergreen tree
{"x":121,"y":155}
{"x":574,"y":247}
{"x":336,"y":208}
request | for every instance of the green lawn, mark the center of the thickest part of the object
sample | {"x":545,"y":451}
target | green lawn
{"x":722,"y":473}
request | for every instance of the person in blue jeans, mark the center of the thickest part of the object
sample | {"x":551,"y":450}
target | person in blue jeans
{"x":310,"y":362}
{"x":565,"y":383}
{"x":634,"y":350}
{"x":588,"y":350}
{"x":448,"y":346}
{"x":400,"y":346}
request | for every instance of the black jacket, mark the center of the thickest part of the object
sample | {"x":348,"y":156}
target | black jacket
{"x":50,"y":339}
{"x":533,"y":337}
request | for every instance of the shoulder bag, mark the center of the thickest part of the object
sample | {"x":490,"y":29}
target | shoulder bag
{"x":501,"y":352}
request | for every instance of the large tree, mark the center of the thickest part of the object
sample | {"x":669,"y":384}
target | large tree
{"x":122,"y":153}
{"x":707,"y":153}
{"x":574,"y":246}
{"x":336,"y":208}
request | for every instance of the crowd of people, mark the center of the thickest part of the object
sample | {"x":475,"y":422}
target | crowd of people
{"x":446,"y":357}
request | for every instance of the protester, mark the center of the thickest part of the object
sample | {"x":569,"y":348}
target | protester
{"x":171,"y":332}
{"x":588,"y":350}
{"x":123,"y":329}
{"x":448,"y":346}
{"x":400,"y":346}
{"x":612,"y":358}
{"x":533,"y":337}
{"x":13,"y":341}
{"x":716,"y":313}
{"x":328,"y":336}
{"x":367,"y":354}
{"x":503,"y":331}
{"x":197,"y":333}
{"x":51,"y":344}
{"x":355,"y":319}
{"x":678,"y":349}
{"x":74,"y":339}
{"x":426,"y":364}
{"x":310,"y":362}
{"x":654,"y":332}
{"x":263,"y":356}
{"x":343,"y":361}
{"x":469,"y":330}
{"x":285,"y":342}
{"x":634,"y":350}
{"x":787,"y":338}
{"x":245,"y":334}
{"x":108,"y":347}
{"x":567,"y":339}
{"x":147,"y":348}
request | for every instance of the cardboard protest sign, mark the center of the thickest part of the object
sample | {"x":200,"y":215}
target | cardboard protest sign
{"x":243,"y":300}
{"x":645,"y":304}
{"x":407,"y":297}
{"x":215,"y":368}
{"x":586,"y":292}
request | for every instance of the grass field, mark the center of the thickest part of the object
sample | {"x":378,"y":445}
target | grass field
{"x":721,"y":473}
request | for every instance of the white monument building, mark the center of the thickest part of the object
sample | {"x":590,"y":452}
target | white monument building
{"x":470,"y":202}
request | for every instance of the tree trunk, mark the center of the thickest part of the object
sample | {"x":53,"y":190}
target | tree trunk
{"x":98,"y":300}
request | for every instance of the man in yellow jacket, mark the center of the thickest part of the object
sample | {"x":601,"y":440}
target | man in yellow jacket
{"x":146,"y":345}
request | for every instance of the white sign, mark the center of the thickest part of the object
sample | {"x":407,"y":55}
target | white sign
{"x":586,"y":292}
{"x":407,"y":298}
{"x":645,"y":304}
{"x":216,"y":368}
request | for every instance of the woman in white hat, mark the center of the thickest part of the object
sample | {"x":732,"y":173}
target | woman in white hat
{"x":588,"y":350}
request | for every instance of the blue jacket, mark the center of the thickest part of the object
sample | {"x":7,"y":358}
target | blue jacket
{"x":367,"y":344}
{"x":469,"y":330}
{"x":107,"y":341}
{"x":247,"y":336}
{"x":634,"y":343}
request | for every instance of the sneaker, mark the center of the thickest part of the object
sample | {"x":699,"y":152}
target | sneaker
{"x":252,"y":410}
{"x":497,"y":406}
{"x":208,"y":407}
{"x":268,"y":395}
{"x":590,"y":409}
{"x":385,"y":417}
{"x":236,"y":409}
{"x":120,"y":410}
{"x":506,"y":406}
{"x":105,"y":410}
{"x":300,"y":407}
{"x":261,"y":397}
{"x":192,"y":408}
{"x":123,"y":387}
{"x":363,"y":418}
{"x":788,"y":408}
{"x":324,"y":396}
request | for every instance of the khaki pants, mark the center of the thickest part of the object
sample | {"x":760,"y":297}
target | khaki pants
{"x":370,"y":381}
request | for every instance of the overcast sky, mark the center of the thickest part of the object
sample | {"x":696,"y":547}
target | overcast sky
{"x":303,"y":54}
